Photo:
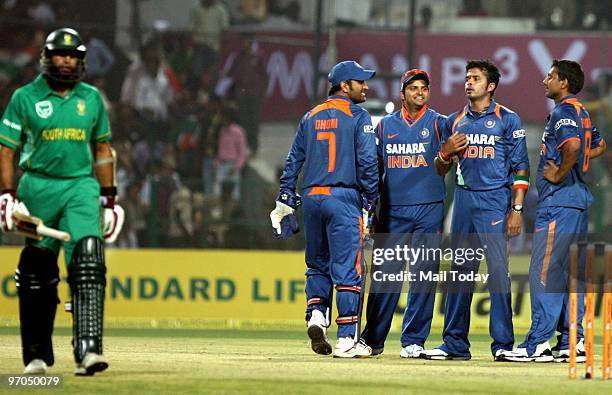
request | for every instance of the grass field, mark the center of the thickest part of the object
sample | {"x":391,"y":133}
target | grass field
{"x":257,"y":361}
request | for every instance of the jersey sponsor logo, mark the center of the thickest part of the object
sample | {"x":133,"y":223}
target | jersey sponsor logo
{"x":415,"y":148}
{"x":424,"y":133}
{"x":517,"y":134}
{"x":368,"y":129}
{"x":564,"y":122}
{"x":11,"y":125}
{"x":489,"y":123}
{"x":493,"y":223}
{"x":406,"y":161}
{"x":482,"y":139}
{"x":44,"y":109}
{"x":390,"y":136}
{"x":81,"y":107}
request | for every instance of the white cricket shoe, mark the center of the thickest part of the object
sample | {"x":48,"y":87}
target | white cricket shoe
{"x":542,"y":353}
{"x":437,"y":354}
{"x":91,"y":364}
{"x":347,"y":348}
{"x":36,"y":366}
{"x":411,"y":351}
{"x":317,"y":328}
{"x":564,"y":355}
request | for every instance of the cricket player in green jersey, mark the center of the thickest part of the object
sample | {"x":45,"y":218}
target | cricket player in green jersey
{"x":61,"y":129}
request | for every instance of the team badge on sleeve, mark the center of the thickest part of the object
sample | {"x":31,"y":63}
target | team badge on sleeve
{"x":565,"y":121}
{"x":517,"y":134}
{"x":368,"y":129}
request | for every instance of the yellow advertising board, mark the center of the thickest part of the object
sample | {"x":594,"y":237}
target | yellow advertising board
{"x":222,"y":287}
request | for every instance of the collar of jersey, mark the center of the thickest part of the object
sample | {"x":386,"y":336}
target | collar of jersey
{"x":490,"y":109}
{"x":562,"y":101}
{"x":411,"y":121}
{"x":43,"y":88}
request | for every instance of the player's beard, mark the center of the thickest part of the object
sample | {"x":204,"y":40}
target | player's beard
{"x":56,"y":85}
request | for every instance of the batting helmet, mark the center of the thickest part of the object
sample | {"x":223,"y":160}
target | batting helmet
{"x":61,"y":42}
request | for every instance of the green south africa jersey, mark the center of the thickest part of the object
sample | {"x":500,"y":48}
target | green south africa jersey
{"x":52,"y":132}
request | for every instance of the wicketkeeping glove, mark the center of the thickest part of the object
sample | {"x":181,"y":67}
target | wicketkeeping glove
{"x":283,"y":218}
{"x":113,"y":217}
{"x":8,"y":205}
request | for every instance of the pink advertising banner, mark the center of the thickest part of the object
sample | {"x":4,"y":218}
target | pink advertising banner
{"x":523,"y":60}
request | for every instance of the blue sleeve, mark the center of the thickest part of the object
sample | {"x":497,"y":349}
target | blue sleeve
{"x":565,"y":123}
{"x":517,"y":142}
{"x":295,"y":160}
{"x":444,"y":127}
{"x":440,"y":127}
{"x":367,"y":162}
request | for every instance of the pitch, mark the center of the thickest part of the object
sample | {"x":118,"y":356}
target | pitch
{"x":258,"y":361}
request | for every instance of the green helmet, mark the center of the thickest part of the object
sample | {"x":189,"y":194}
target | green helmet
{"x":63,"y":41}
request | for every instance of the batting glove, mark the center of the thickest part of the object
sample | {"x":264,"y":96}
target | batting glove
{"x":283,"y":218}
{"x":113,"y":217}
{"x":9,"y":205}
{"x":368,"y":209}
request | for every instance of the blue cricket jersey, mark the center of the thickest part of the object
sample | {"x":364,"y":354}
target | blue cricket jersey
{"x":407,"y":149}
{"x":496,"y":148}
{"x":336,"y":144}
{"x":568,"y":121}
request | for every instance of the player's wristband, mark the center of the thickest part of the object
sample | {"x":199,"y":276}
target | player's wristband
{"x":443,"y":158}
{"x":108,"y":191}
{"x":521,"y":182}
{"x":10,"y":191}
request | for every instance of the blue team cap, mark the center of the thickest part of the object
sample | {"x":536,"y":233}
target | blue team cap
{"x":348,"y":70}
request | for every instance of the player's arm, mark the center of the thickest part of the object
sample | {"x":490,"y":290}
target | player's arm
{"x":451,"y":144}
{"x":519,"y":162}
{"x":283,"y":219}
{"x":599,"y":150}
{"x":7,"y":171}
{"x":598,"y":144}
{"x":566,"y":123}
{"x":105,"y":164}
{"x":570,"y":151}
{"x":367,"y":168}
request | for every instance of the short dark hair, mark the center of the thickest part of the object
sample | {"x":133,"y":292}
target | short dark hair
{"x":490,"y":70}
{"x":570,"y":71}
{"x":333,"y":89}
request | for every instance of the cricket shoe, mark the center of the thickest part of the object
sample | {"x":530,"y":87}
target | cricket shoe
{"x":564,"y":355}
{"x":411,"y":351}
{"x":36,"y":366}
{"x":347,"y":348}
{"x":91,"y":364}
{"x":542,"y":353}
{"x":501,"y":355}
{"x":437,"y":354}
{"x":317,"y":328}
{"x":377,"y":351}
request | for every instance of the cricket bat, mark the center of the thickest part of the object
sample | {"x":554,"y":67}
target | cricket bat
{"x":33,"y":227}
